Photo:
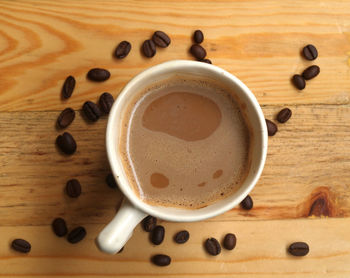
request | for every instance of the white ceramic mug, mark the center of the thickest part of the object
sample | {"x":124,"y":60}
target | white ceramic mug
{"x":133,"y":210}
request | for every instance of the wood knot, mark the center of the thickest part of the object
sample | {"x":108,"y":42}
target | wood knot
{"x":321,"y":203}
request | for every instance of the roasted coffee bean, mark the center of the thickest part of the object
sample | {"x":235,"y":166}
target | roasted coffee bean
{"x":298,"y":81}
{"x":284,"y":115}
{"x":247,"y":203}
{"x":198,"y":36}
{"x":110,"y":180}
{"x":106,"y":102}
{"x":149,"y":48}
{"x":161,"y":260}
{"x":66,"y":143}
{"x":76,"y":235}
{"x":68,"y":87}
{"x":212,"y":246}
{"x":198,"y":52}
{"x":230,"y":241}
{"x":73,"y":188}
{"x":182,"y":237}
{"x":149,"y":223}
{"x":59,"y":227}
{"x":21,"y":245}
{"x":311,"y":72}
{"x":98,"y":74}
{"x":65,"y":118}
{"x":271,"y":127}
{"x":122,"y":50}
{"x":310,"y":52}
{"x":157,"y":235}
{"x":161,"y":39}
{"x":206,"y":61}
{"x":298,"y":249}
{"x":91,"y":111}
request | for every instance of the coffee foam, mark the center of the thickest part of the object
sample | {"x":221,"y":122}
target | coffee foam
{"x":198,"y":172}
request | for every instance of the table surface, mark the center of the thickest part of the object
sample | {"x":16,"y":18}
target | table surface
{"x":304,"y":191}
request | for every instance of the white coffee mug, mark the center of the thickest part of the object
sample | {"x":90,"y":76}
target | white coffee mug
{"x":133,"y":210}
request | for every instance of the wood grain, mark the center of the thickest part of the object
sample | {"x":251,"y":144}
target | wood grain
{"x":42,"y":42}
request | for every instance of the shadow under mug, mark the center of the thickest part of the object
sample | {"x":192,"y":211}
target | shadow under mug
{"x":114,"y":236}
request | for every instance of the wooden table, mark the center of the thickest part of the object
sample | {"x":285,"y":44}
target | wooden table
{"x":303,"y":194}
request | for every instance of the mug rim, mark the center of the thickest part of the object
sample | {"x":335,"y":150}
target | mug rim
{"x":112,"y":154}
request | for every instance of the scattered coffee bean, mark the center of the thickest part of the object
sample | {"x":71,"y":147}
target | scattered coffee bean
{"x":59,"y":227}
{"x":110,"y":180}
{"x":182,"y":237}
{"x":298,"y":81}
{"x":73,"y":188}
{"x":91,"y":111}
{"x":21,"y":245}
{"x":106,"y":102}
{"x":271,"y":127}
{"x":76,"y":235}
{"x":206,"y":61}
{"x":161,"y":260}
{"x":284,"y":115}
{"x":311,"y":72}
{"x":247,"y":203}
{"x":68,"y":87}
{"x":198,"y":36}
{"x":66,"y":143}
{"x":98,"y":74}
{"x":230,"y":241}
{"x":212,"y":246}
{"x":149,"y":223}
{"x":122,"y":50}
{"x":161,"y":39}
{"x":149,"y":48}
{"x":310,"y":52}
{"x":66,"y":117}
{"x":298,"y":249}
{"x":157,"y":235}
{"x":198,"y":52}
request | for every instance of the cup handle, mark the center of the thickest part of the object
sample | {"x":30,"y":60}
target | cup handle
{"x":114,"y":236}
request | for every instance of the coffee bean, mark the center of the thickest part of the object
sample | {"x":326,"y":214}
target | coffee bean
{"x":247,"y":203}
{"x":310,"y":52}
{"x":161,"y":260}
{"x":271,"y":127}
{"x":198,"y":52}
{"x":66,"y":143}
{"x":298,"y":249}
{"x":110,"y":180}
{"x":198,"y":36}
{"x":76,"y":235}
{"x":284,"y":115}
{"x":106,"y":102}
{"x":66,"y":117}
{"x":73,"y":188}
{"x":206,"y":61}
{"x":182,"y":237}
{"x":59,"y":227}
{"x":98,"y":74}
{"x":122,"y":50}
{"x":311,"y":72}
{"x":91,"y":111}
{"x":157,"y":235}
{"x":161,"y":39}
{"x":149,"y":223}
{"x":21,"y":245}
{"x":229,"y":241}
{"x":149,"y":48}
{"x":212,"y":246}
{"x":298,"y":81}
{"x":68,"y":87}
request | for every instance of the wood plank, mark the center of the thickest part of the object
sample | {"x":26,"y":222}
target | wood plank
{"x":260,"y":252}
{"x":42,"y":42}
{"x":307,"y":169}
